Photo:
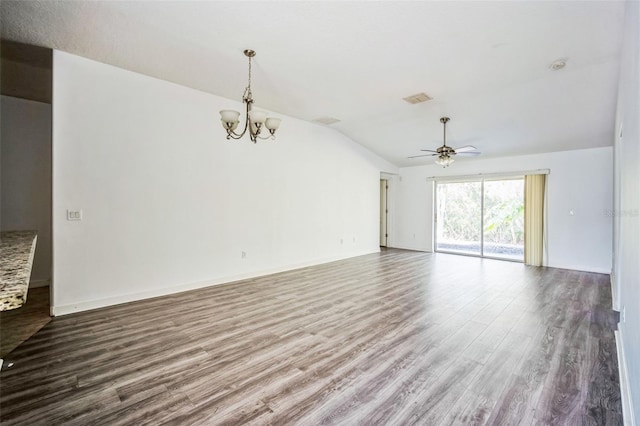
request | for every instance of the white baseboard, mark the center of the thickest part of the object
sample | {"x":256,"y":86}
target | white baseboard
{"x":581,"y":268}
{"x":132,"y":297}
{"x":409,"y":248}
{"x":625,"y":392}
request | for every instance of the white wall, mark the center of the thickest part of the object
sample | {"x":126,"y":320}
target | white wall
{"x":169,"y":204}
{"x":26,"y":176}
{"x":580,"y":180}
{"x":626,"y":269}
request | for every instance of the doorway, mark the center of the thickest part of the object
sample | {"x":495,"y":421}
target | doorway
{"x":26,"y":163}
{"x":384,"y":212}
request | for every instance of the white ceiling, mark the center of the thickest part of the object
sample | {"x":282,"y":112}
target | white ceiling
{"x":486,"y":64}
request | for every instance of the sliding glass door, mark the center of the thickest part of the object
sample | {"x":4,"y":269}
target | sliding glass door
{"x":503,"y":221}
{"x":481,"y":218}
{"x":458,"y":217}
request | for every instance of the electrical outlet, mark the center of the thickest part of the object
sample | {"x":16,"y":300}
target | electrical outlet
{"x":244,"y":254}
{"x":74,"y":214}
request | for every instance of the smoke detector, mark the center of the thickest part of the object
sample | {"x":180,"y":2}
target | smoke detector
{"x":558,"y":64}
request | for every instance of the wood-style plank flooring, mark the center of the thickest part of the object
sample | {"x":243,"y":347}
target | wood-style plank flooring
{"x":393,"y":338}
{"x":18,"y":325}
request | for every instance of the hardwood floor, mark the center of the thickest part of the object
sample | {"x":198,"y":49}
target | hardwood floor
{"x":18,"y":325}
{"x":393,"y":338}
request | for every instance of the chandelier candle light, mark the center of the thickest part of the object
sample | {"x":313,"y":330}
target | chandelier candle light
{"x":254,"y":121}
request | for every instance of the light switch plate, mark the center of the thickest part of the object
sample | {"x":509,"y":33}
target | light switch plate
{"x":74,"y":214}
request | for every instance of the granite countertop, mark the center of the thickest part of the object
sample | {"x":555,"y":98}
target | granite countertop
{"x":16,"y":257}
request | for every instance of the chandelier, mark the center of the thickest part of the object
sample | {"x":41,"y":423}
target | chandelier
{"x":254,"y":121}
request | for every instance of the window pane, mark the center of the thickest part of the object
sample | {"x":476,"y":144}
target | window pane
{"x":458,"y":227}
{"x":504,"y":219}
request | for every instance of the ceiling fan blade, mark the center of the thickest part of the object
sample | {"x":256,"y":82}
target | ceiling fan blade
{"x":469,"y":153}
{"x":428,"y":150}
{"x":465,"y":148}
{"x":423,"y":155}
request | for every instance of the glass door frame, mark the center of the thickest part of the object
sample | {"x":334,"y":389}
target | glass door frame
{"x":482,"y":180}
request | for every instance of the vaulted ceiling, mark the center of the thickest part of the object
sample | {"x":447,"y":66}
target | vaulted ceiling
{"x":485,"y":64}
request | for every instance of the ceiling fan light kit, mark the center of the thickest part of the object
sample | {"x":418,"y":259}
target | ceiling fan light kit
{"x":444,"y":160}
{"x":445,"y":153}
{"x":254,"y":121}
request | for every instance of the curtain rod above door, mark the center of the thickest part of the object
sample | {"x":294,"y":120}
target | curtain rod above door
{"x":490,"y":175}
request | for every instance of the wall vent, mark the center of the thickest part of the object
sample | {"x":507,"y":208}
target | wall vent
{"x":326,"y":120}
{"x":417,"y":98}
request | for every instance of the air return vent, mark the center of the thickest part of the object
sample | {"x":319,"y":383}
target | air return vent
{"x":417,"y":98}
{"x":326,"y":120}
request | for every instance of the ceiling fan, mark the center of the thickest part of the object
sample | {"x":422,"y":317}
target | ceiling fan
{"x":445,"y":153}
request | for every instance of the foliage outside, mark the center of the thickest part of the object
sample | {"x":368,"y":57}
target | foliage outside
{"x":459,"y":221}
